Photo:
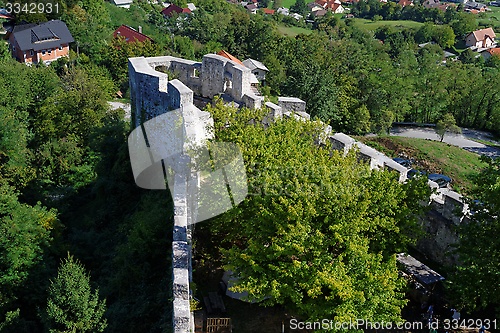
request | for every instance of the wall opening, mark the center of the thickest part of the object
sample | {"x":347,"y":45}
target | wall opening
{"x":228,"y":85}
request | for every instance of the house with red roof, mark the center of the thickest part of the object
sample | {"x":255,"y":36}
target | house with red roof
{"x":482,"y":38}
{"x":268,"y":11}
{"x":130,"y":34}
{"x":229,"y":56}
{"x":404,"y":3}
{"x":170,"y":10}
{"x":490,"y":53}
{"x":334,"y":5}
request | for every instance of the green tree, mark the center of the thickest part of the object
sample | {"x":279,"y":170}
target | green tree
{"x":463,"y":23}
{"x":62,"y":128}
{"x":493,"y":61}
{"x":117,"y":55}
{"x":467,"y":56}
{"x":89,"y":23}
{"x":4,"y":51}
{"x":444,"y":36}
{"x":25,"y":234}
{"x":425,"y":33}
{"x":72,"y":306}
{"x":475,"y":282}
{"x":384,"y":121}
{"x":299,"y":7}
{"x":318,"y":231}
{"x":447,"y":124}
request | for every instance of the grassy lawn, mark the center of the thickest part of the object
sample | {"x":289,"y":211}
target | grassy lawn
{"x":290,"y":3}
{"x":133,"y":17}
{"x":459,"y":46}
{"x":293,"y":31}
{"x":492,"y":17}
{"x":488,"y":143}
{"x":433,"y":157}
{"x":370,"y":25}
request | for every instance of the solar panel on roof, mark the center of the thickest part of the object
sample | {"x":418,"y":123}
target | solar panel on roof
{"x":43,"y":33}
{"x":43,"y":36}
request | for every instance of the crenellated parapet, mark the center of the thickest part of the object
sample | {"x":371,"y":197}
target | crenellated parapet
{"x":154,"y":93}
{"x":448,"y":208}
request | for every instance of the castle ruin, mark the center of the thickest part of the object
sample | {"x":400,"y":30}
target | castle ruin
{"x":153,"y":94}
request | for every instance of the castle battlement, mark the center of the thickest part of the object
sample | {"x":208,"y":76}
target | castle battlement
{"x":153,"y":94}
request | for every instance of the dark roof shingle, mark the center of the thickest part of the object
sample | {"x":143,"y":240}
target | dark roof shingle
{"x":46,"y":35}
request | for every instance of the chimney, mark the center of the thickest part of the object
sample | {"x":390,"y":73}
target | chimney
{"x":140,"y":29}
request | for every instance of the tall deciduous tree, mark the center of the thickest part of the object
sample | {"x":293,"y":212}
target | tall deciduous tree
{"x":318,"y":231}
{"x":72,"y":306}
{"x":475,"y":283}
{"x":299,"y":7}
{"x":447,"y":124}
{"x":25,"y":234}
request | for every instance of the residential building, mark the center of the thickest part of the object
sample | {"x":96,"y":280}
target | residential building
{"x":254,"y":82}
{"x":229,"y":56}
{"x":268,"y":11}
{"x":283,"y":11}
{"x":130,"y":34}
{"x":404,"y":3}
{"x":431,"y":4}
{"x":318,"y":13}
{"x":172,"y":9}
{"x":334,"y":5}
{"x":252,"y":8}
{"x":40,"y":43}
{"x":472,"y":5}
{"x":122,"y":3}
{"x":257,"y":68}
{"x":483,"y":38}
{"x":313,"y":6}
{"x":491,"y":52}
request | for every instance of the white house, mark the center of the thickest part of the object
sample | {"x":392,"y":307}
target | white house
{"x":123,"y":3}
{"x":257,"y":68}
{"x":283,"y":11}
{"x":483,"y":38}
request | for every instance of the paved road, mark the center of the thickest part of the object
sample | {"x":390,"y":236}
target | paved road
{"x":460,"y":140}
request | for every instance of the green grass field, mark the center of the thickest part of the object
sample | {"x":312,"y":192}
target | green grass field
{"x":433,"y":157}
{"x":374,"y":25}
{"x":492,"y":17}
{"x":290,"y":3}
{"x":133,"y":17}
{"x":293,"y":31}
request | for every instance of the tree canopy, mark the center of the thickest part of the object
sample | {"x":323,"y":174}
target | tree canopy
{"x":318,"y":231}
{"x":72,"y":305}
{"x":447,"y":124}
{"x":475,"y":282}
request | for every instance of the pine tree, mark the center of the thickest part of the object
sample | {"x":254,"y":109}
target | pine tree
{"x":72,"y":306}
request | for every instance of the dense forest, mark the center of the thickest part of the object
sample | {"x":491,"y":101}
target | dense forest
{"x":83,"y":248}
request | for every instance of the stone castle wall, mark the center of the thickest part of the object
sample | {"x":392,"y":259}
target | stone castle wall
{"x":152,"y":94}
{"x":448,"y":208}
